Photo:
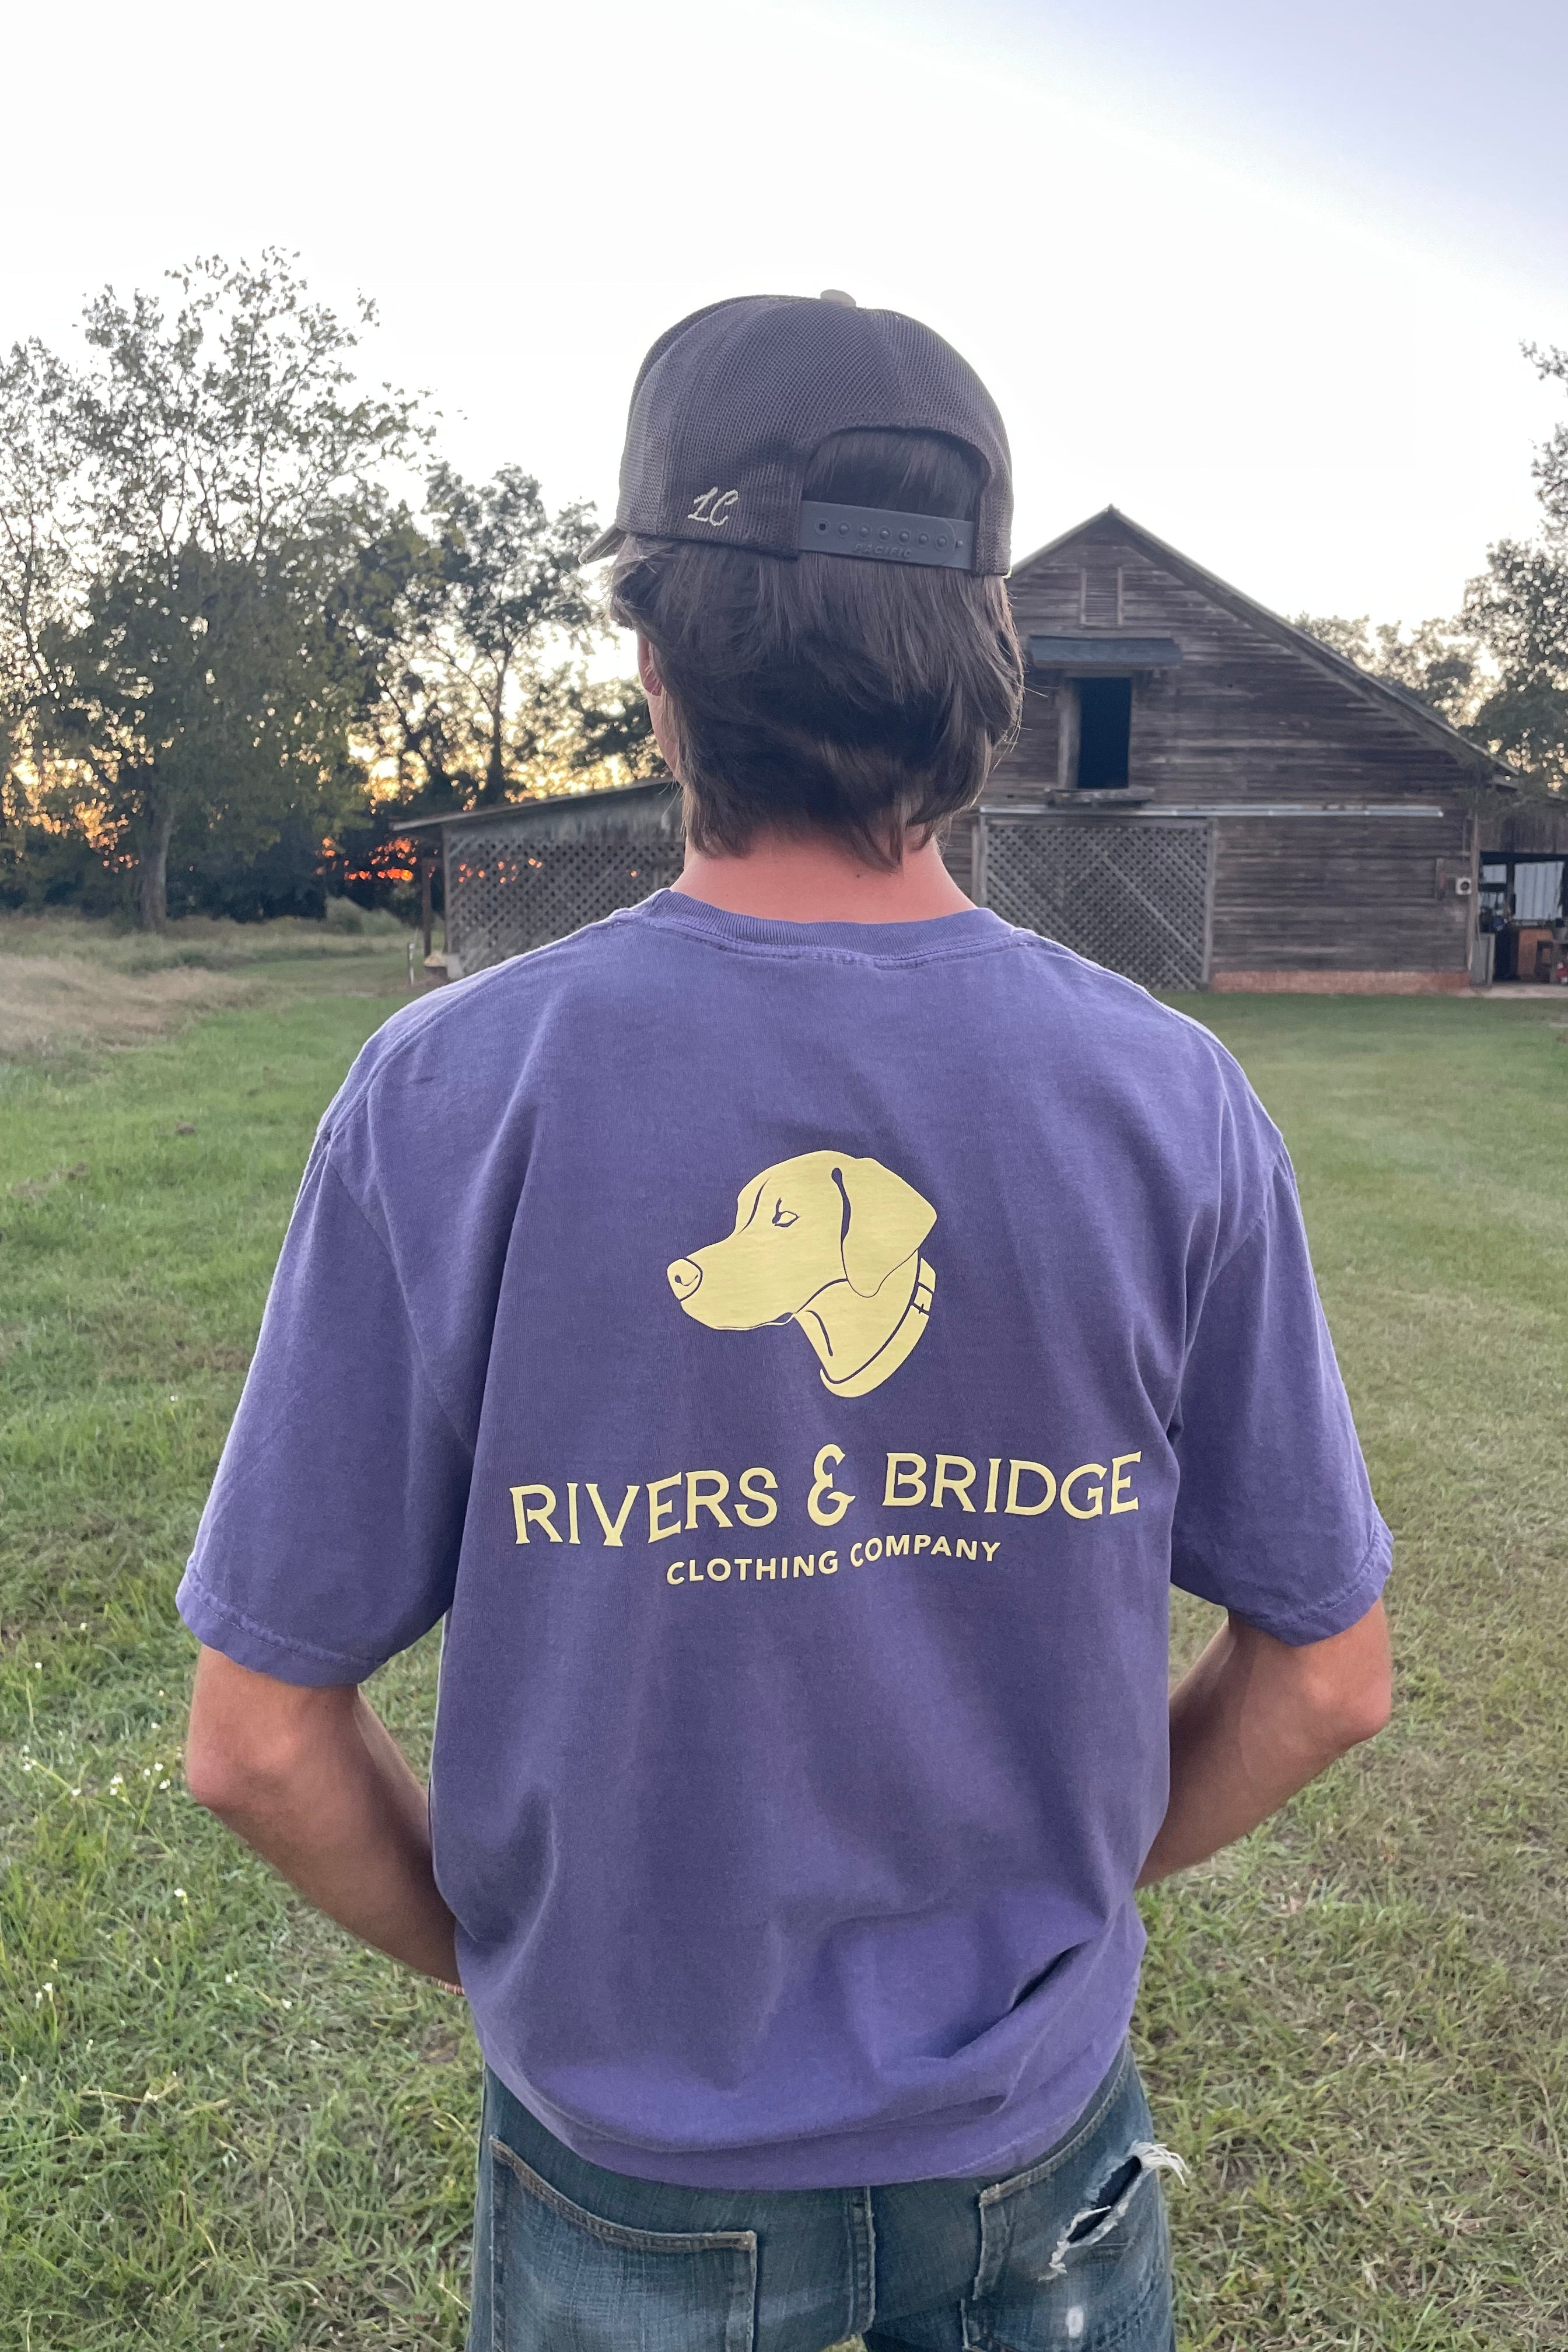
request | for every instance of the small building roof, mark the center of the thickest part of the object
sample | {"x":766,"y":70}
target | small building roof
{"x":548,"y":805}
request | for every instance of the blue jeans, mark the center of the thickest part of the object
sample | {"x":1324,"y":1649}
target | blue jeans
{"x":1070,"y":2254}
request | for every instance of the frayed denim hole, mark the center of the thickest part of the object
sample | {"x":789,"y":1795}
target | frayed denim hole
{"x":1097,"y":2221}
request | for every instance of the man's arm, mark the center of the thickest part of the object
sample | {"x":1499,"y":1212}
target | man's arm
{"x":1254,"y":1721}
{"x":313,"y":1779}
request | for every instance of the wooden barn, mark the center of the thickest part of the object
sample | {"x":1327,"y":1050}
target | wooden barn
{"x":1201,"y":796}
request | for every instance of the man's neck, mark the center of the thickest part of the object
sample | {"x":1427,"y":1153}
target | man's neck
{"x":815,"y":880}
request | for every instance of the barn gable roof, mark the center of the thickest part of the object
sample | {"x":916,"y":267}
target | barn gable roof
{"x":1110,"y":522}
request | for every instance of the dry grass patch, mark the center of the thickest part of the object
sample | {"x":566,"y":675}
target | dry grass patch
{"x":50,"y":1003}
{"x":74,"y":987}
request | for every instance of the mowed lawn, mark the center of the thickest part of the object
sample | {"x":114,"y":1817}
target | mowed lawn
{"x":223,"y":2127}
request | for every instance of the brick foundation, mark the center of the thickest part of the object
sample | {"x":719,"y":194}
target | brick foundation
{"x":1342,"y":983}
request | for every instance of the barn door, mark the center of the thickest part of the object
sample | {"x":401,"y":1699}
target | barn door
{"x":1135,"y":894}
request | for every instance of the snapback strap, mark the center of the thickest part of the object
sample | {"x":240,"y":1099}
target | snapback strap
{"x":884,"y":537}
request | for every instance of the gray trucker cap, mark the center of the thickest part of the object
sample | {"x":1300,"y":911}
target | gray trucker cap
{"x":731,"y":406}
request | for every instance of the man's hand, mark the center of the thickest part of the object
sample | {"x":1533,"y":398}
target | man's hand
{"x":316,"y":1783}
{"x":1254,"y":1721}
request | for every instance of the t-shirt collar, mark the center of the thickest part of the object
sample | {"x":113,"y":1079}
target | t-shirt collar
{"x":962,"y":933}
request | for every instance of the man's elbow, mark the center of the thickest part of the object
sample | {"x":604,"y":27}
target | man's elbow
{"x":1351,"y":1682}
{"x":252,"y":1745}
{"x":1361,"y":1712}
{"x":1335,"y":1693}
{"x":231,"y":1777}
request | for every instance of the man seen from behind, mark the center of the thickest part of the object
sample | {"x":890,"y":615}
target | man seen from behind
{"x":793,"y":1333}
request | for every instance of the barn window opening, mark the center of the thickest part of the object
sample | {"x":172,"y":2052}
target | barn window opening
{"x":1104,"y":732}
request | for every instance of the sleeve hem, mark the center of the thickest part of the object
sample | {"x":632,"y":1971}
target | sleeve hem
{"x":241,"y":1639}
{"x":1332,"y":1613}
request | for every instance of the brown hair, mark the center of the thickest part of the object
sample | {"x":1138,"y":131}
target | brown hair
{"x":831,"y":694}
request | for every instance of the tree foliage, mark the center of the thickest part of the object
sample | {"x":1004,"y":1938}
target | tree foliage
{"x":509,"y":585}
{"x":474,"y":623}
{"x":1499,"y":670}
{"x":1518,"y":607}
{"x":222,"y":632}
{"x":1437,"y":662}
{"x":180,"y":509}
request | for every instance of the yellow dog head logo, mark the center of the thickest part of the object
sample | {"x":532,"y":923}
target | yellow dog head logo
{"x":831,"y":1243}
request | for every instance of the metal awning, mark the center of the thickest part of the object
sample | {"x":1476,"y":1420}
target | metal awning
{"x":1103,"y":651}
{"x":582,"y":812}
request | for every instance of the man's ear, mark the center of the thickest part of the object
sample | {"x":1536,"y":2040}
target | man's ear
{"x":660,"y":709}
{"x":888,"y":1220}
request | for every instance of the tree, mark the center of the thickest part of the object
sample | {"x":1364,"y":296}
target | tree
{"x":471,"y":630}
{"x":1518,"y":607}
{"x":38,"y":461}
{"x":176,"y":517}
{"x":612,"y":724}
{"x":387,"y":619}
{"x":221,"y":634}
{"x":511,"y":592}
{"x":1437,"y":663}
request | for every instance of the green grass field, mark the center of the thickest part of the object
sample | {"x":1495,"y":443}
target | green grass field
{"x":222,"y":2126}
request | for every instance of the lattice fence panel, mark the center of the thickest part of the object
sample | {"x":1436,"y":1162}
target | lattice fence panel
{"x":507,"y":890}
{"x":1130,"y":893}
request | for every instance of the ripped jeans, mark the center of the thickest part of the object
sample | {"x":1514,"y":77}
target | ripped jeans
{"x":1070,"y":2255}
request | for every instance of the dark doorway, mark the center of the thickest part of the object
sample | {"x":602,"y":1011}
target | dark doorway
{"x":1104,"y":732}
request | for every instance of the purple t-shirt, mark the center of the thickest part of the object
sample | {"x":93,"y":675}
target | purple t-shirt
{"x":795,"y":1358}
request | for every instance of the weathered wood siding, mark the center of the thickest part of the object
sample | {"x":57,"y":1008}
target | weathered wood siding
{"x":1339,"y":894}
{"x":1248,"y":717}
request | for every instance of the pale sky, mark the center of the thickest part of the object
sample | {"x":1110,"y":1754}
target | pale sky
{"x":1257,"y":274}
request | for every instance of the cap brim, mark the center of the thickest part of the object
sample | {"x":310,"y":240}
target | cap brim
{"x":609,"y":542}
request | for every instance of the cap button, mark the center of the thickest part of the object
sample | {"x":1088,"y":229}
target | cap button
{"x":837,"y":294}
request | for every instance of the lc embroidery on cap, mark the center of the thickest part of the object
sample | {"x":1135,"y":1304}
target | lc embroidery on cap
{"x":714,"y":507}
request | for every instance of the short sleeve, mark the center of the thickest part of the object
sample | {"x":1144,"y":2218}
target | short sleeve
{"x":1274,"y":1519}
{"x":330,"y":1539}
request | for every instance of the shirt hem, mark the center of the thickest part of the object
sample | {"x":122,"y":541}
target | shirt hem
{"x":948,"y":2146}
